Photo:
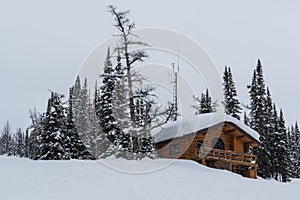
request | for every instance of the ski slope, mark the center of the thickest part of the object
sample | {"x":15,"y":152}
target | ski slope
{"x":23,"y":179}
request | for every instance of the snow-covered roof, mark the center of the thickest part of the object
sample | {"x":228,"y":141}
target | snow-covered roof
{"x":181,"y":128}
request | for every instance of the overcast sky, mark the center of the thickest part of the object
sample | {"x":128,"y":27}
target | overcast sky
{"x":43,"y":44}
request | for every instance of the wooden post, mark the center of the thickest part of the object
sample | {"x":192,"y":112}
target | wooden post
{"x":203,"y":162}
{"x":230,"y":166}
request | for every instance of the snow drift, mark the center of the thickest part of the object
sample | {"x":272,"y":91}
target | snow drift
{"x":92,"y":180}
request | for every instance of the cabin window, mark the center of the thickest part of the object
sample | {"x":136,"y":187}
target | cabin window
{"x":199,"y":144}
{"x":174,"y":149}
{"x":250,"y":149}
{"x":200,"y":147}
{"x":217,"y":143}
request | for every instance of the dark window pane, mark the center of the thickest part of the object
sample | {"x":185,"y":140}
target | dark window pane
{"x":217,"y":143}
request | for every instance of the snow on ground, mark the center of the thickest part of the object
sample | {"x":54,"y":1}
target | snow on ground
{"x":23,"y":179}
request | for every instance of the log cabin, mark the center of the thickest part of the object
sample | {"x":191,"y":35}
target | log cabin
{"x":217,"y":141}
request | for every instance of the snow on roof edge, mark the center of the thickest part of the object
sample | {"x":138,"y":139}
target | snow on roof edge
{"x":178,"y":129}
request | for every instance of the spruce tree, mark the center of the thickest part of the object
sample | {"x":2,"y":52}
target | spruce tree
{"x":6,"y":146}
{"x":144,"y":102}
{"x":26,"y":144}
{"x":269,"y":126}
{"x":105,"y":106}
{"x":35,"y":132}
{"x":272,"y":143}
{"x":205,"y":107}
{"x":20,"y":143}
{"x":121,"y":111}
{"x":257,"y":93}
{"x":102,"y":144}
{"x":76,"y":98}
{"x":295,"y":150}
{"x":289,"y":139}
{"x":231,"y":103}
{"x":112,"y":110}
{"x":265,"y":150}
{"x":83,"y":125}
{"x":53,"y":137}
{"x":296,"y":147}
{"x":204,"y":104}
{"x":73,"y":142}
{"x":85,"y":116}
{"x":258,"y":119}
{"x":281,"y":152}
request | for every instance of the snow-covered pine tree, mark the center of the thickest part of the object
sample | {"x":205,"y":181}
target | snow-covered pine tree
{"x":204,"y":104}
{"x":20,"y":143}
{"x":257,"y":93}
{"x":295,"y":150}
{"x":6,"y":141}
{"x":35,"y":132}
{"x":83,"y":124}
{"x":101,"y":142}
{"x":145,"y":100}
{"x":26,"y":144}
{"x":112,"y":109}
{"x":210,"y":105}
{"x":281,"y":152}
{"x":231,"y":103}
{"x":289,"y":140}
{"x":289,"y":147}
{"x":121,"y":111}
{"x":77,"y":103}
{"x":257,"y":114}
{"x":92,"y":131}
{"x":73,"y":143}
{"x":84,"y":115}
{"x":269,"y":126}
{"x":200,"y":101}
{"x":105,"y":106}
{"x":109,"y":107}
{"x":53,"y":137}
{"x":273,"y":141}
{"x":270,"y":119}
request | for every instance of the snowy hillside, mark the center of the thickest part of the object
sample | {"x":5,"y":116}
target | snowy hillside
{"x":22,"y":179}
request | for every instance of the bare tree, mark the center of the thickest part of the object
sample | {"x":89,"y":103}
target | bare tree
{"x":129,"y":46}
{"x":145,"y":113}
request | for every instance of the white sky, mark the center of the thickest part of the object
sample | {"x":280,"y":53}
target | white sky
{"x":43,"y":44}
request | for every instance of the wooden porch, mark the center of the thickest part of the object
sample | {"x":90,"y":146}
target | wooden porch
{"x":241,"y":163}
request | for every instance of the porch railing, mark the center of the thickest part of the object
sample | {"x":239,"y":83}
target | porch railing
{"x":227,"y":155}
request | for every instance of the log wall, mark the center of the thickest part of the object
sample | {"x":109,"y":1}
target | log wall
{"x":234,"y":140}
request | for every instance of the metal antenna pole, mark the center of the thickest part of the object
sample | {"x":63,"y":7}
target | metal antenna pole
{"x":174,"y":82}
